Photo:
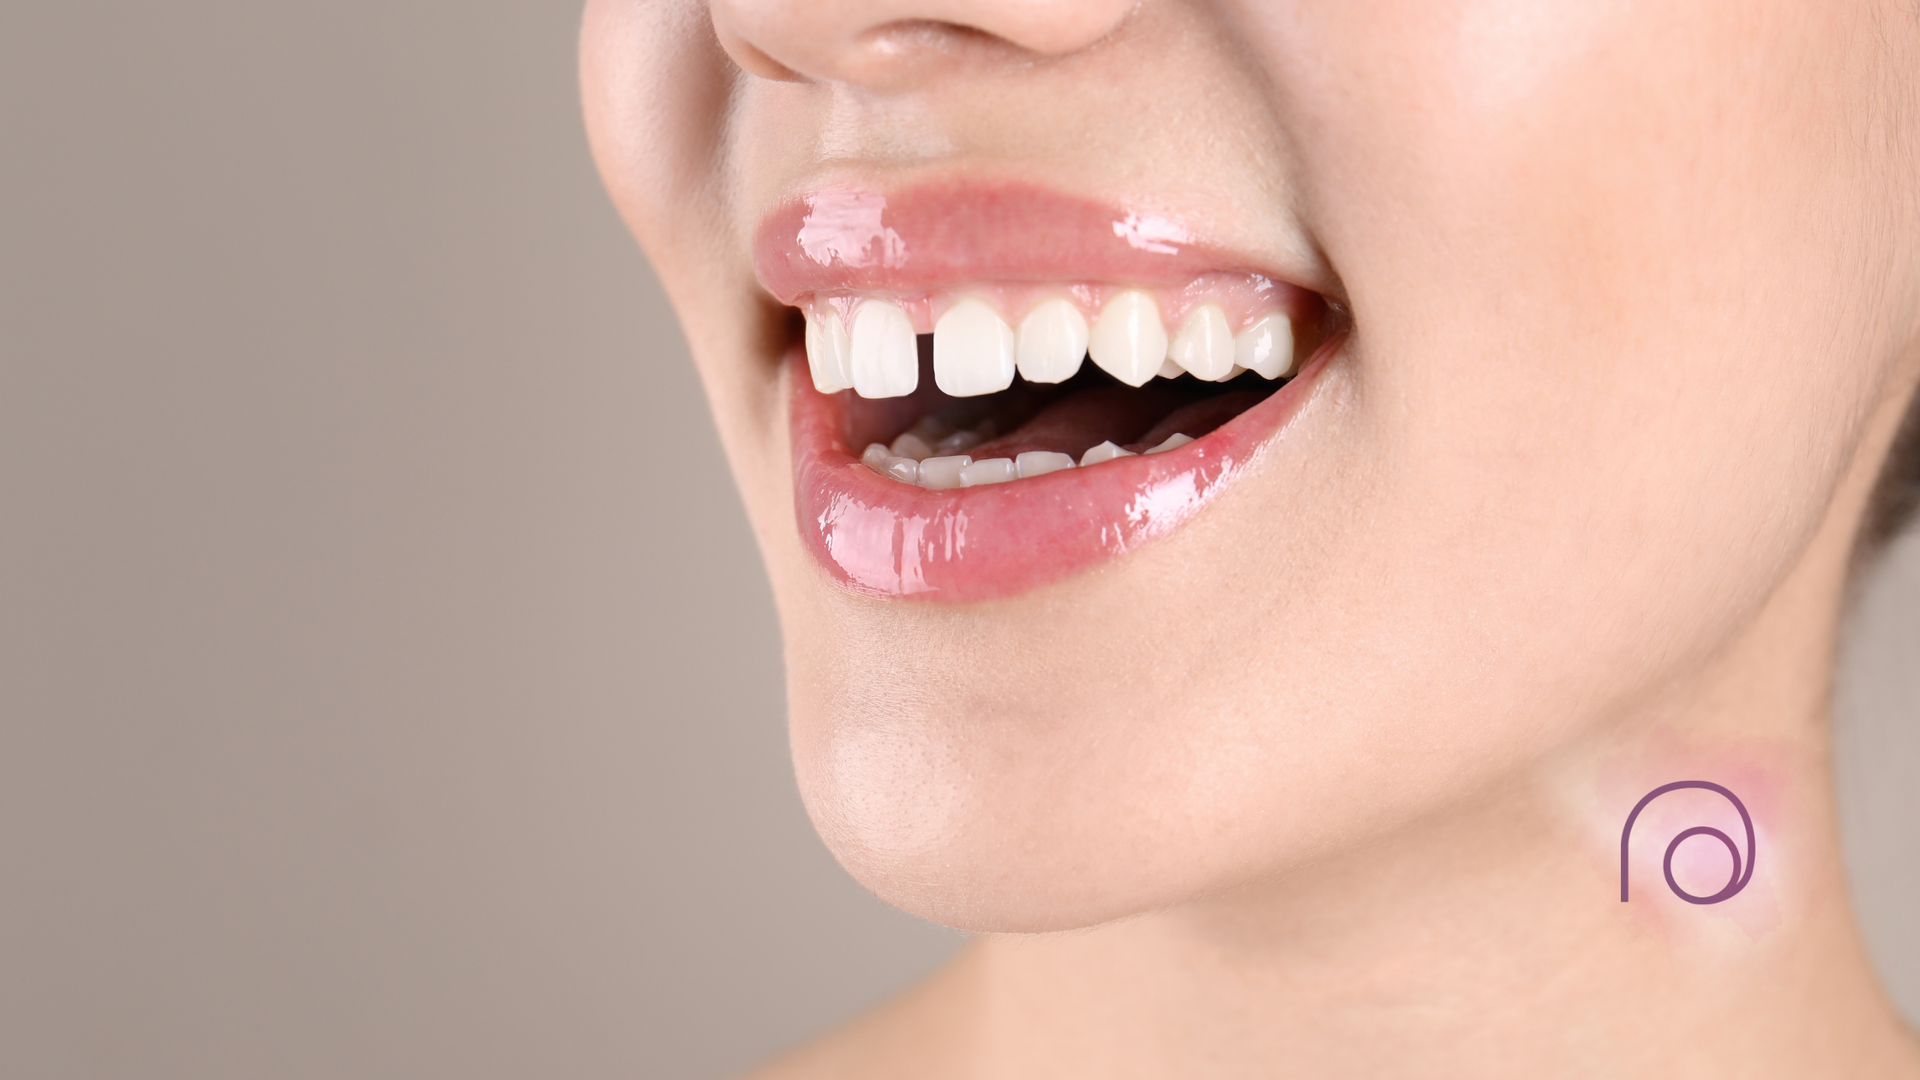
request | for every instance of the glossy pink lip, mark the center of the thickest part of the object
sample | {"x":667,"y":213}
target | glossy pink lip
{"x":885,"y":538}
{"x":882,"y":537}
{"x":945,"y":234}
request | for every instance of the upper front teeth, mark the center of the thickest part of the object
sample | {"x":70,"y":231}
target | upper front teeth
{"x":1053,"y":341}
{"x":886,"y":360}
{"x":829,"y":353}
{"x":972,"y":350}
{"x":976,"y":351}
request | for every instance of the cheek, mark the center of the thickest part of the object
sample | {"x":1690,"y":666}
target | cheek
{"x":655,"y":88}
{"x":1589,"y":303}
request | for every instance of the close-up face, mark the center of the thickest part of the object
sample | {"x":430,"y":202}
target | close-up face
{"x":1519,"y":348}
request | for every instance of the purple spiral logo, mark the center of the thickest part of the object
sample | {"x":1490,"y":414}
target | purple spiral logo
{"x":1739,"y":878}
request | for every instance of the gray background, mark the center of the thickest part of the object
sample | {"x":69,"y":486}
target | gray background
{"x":388,"y":685}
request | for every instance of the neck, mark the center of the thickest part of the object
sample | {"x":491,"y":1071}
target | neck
{"x":1489,"y":944}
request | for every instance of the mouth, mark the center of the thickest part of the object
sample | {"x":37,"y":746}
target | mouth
{"x":997,"y":387}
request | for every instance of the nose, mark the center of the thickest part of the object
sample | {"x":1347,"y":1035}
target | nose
{"x":887,"y":43}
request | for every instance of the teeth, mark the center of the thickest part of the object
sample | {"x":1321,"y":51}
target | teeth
{"x":829,"y":354}
{"x":958,"y":441}
{"x":1053,"y":341}
{"x":943,"y":472}
{"x":991,"y":471}
{"x":886,"y":362}
{"x":1128,"y":340}
{"x":972,"y":350}
{"x":1266,"y":346}
{"x":937,"y":470}
{"x":1106,"y":451}
{"x":976,"y":352}
{"x":909,"y":445}
{"x":1041,"y":462}
{"x":1204,"y":345}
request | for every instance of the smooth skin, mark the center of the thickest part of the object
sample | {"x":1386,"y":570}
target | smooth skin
{"x":1329,"y":782}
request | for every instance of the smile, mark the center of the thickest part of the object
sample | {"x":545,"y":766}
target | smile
{"x":996,"y":387}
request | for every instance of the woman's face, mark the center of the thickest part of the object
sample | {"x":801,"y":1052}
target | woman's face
{"x":1592,"y":305}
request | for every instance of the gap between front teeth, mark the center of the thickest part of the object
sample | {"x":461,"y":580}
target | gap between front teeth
{"x":976,"y":351}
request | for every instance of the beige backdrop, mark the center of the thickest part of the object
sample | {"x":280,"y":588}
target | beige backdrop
{"x":388,"y":686}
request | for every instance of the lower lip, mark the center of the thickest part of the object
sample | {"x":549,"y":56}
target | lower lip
{"x":881,"y":537}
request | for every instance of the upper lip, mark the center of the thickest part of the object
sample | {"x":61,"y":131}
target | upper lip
{"x":942,"y":234}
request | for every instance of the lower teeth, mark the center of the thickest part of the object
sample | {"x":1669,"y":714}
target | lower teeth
{"x":912,"y":460}
{"x":1021,"y":432}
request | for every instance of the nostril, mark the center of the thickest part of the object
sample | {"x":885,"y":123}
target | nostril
{"x":750,"y":57}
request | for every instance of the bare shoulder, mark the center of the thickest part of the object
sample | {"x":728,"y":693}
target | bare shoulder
{"x":923,"y":1034}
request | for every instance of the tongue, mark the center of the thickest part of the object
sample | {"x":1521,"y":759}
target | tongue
{"x":1136,"y":419}
{"x":1199,"y":417}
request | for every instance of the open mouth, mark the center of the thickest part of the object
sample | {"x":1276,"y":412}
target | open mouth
{"x":984,"y":399}
{"x":969,"y":425}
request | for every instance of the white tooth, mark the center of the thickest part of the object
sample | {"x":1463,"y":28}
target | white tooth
{"x":958,"y":441}
{"x":886,"y":363}
{"x":911,"y":446}
{"x":932,"y":428}
{"x":1266,"y":346}
{"x":903,"y":469}
{"x":828,"y":351}
{"x":876,"y":456}
{"x":1170,"y":370}
{"x":1053,"y":341}
{"x":1204,"y":344}
{"x":1174,"y":442}
{"x":972,"y":350}
{"x":1128,"y":341}
{"x":997,"y":470}
{"x":943,"y":472}
{"x":1041,"y":462}
{"x":1106,"y":451}
{"x":817,"y":364}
